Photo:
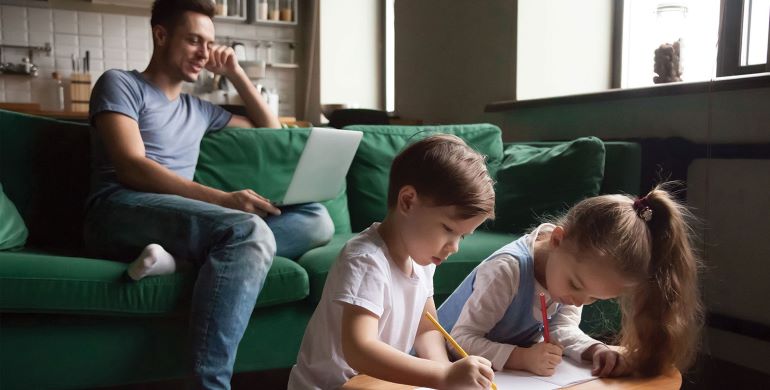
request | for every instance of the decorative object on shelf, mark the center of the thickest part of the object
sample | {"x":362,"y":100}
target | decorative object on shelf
{"x":230,"y":10}
{"x":262,"y":10}
{"x":59,"y":91}
{"x":275,"y":11}
{"x":670,"y":31}
{"x":27,"y":66}
{"x":286,"y":12}
{"x":667,"y":63}
{"x":220,"y":8}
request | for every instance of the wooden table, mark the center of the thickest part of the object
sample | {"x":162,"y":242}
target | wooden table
{"x":672,"y":380}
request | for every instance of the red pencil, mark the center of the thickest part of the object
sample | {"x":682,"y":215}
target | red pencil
{"x":543,"y":308}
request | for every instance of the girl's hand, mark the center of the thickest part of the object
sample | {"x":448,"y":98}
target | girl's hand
{"x":542,"y":358}
{"x":608,"y":362}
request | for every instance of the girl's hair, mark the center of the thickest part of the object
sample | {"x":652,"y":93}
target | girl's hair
{"x":652,"y":243}
{"x":444,"y":169}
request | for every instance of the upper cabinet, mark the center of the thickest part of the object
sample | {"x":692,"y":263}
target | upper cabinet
{"x":234,"y":10}
{"x":275,"y":12}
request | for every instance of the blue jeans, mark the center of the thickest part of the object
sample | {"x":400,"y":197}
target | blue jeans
{"x":233,"y":250}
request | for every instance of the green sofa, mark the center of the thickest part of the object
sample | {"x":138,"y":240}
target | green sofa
{"x":68,"y":321}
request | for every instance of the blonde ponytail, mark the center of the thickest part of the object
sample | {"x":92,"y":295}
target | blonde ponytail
{"x":662,"y":316}
{"x":651,"y":242}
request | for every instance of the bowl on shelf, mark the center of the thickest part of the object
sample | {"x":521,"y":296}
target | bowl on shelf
{"x":328,"y":109}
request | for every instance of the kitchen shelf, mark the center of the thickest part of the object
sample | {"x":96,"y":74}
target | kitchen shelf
{"x":279,"y":65}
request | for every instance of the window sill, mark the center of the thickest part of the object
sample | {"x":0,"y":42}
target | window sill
{"x":760,"y":80}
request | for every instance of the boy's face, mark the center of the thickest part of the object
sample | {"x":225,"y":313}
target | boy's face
{"x":433,"y":233}
{"x":186,"y":48}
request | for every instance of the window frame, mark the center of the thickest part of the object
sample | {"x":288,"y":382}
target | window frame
{"x":729,"y":47}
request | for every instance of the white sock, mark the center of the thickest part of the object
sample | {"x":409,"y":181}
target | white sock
{"x":154,"y":260}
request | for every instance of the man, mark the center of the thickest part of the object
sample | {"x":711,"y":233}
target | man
{"x":146,"y":142}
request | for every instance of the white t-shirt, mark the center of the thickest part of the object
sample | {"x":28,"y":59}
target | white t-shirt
{"x":363,"y":275}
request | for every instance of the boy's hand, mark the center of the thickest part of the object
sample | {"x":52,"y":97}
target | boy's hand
{"x":542,"y":358}
{"x":472,"y":372}
{"x":608,"y":362}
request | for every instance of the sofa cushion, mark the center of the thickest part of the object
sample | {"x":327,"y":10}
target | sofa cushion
{"x":45,"y":168}
{"x":473,"y":250}
{"x":536,"y":181}
{"x":262,"y":160}
{"x":42,"y":283}
{"x":368,"y":177}
{"x":13,"y":232}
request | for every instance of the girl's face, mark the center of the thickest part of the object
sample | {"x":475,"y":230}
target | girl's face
{"x":430,"y":233}
{"x":575,"y":277}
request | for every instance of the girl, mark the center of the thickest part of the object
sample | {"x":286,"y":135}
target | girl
{"x":604,"y":247}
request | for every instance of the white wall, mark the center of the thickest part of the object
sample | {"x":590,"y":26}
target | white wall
{"x":453,"y":57}
{"x":351,"y":52}
{"x":564,"y":47}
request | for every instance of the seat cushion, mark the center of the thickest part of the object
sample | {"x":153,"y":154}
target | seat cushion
{"x":369,"y":175}
{"x":536,"y":181}
{"x":43,"y":283}
{"x":263,"y":160}
{"x":473,"y":250}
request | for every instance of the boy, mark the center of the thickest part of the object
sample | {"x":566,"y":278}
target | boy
{"x":371,"y":311}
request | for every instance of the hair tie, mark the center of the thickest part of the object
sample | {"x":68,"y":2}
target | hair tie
{"x":643,"y":209}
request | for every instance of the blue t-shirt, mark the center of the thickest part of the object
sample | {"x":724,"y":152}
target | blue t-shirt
{"x":170,"y":129}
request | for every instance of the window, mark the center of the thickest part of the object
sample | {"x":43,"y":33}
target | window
{"x":648,"y":24}
{"x":390,"y":40}
{"x":754,"y":32}
{"x":744,"y":36}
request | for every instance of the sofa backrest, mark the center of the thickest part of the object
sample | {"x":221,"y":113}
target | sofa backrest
{"x":369,"y":175}
{"x":263,"y":160}
{"x":45,"y":171}
{"x":44,"y":168}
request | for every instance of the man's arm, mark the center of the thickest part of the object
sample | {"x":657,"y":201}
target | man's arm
{"x":222,"y":61}
{"x":123,"y":142}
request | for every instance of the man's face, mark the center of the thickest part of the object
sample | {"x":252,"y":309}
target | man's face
{"x":187,"y":48}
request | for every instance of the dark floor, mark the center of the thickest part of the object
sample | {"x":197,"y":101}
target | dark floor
{"x":708,"y":373}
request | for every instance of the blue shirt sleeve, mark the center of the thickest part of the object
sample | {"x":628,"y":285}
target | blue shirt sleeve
{"x":116,"y":91}
{"x":218,"y":116}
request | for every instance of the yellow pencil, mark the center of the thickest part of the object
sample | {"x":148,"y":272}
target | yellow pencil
{"x":452,"y":341}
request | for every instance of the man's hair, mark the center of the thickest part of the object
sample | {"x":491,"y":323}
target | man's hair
{"x":446,"y":171}
{"x":168,"y":13}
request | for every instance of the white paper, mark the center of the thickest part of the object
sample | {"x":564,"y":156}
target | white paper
{"x":568,"y":373}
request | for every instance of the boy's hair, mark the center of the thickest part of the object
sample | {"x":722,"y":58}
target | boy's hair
{"x":651,"y":241}
{"x":445,"y":170}
{"x":168,"y":13}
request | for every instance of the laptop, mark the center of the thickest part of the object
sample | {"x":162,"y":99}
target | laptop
{"x":322,"y":167}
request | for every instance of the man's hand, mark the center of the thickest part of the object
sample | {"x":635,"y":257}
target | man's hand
{"x":250,"y":202}
{"x":609,"y":362}
{"x":472,"y":372}
{"x":222,"y":60}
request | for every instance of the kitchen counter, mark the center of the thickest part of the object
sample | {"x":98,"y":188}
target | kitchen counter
{"x":34,"y":109}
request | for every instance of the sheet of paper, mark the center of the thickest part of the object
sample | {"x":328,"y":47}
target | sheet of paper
{"x":568,"y":373}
